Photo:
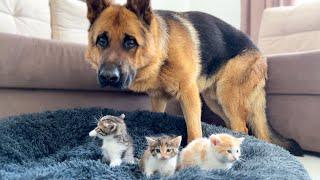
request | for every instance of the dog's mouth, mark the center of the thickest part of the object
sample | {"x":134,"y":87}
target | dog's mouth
{"x":127,"y":80}
{"x":115,"y":76}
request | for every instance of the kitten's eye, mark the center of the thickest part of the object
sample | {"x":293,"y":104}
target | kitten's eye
{"x":237,"y":151}
{"x":169,"y":150}
{"x":129,"y":42}
{"x":229,"y":151}
{"x":102,"y":40}
{"x":158,"y":150}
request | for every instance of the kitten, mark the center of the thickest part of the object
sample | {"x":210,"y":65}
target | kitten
{"x":220,"y":151}
{"x":117,"y":144}
{"x":161,"y":155}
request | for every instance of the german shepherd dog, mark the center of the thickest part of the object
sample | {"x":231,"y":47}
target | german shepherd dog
{"x":182,"y":55}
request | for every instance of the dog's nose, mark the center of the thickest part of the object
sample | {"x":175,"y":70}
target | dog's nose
{"x":108,"y":76}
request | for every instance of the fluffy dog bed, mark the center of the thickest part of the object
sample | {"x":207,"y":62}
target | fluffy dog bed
{"x":56,"y":145}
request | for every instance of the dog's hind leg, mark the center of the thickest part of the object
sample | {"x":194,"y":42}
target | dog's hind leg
{"x":232,"y":104}
{"x":258,"y":120}
{"x":236,"y":82}
{"x":210,"y":99}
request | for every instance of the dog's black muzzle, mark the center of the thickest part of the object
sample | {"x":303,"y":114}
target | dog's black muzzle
{"x":112,"y":75}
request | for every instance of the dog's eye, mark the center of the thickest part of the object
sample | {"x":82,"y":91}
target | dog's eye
{"x":129,"y":42}
{"x":102,"y":40}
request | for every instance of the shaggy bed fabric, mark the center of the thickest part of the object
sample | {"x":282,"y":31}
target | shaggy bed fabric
{"x":56,"y":145}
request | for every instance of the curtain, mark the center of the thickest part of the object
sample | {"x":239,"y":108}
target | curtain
{"x":251,"y":14}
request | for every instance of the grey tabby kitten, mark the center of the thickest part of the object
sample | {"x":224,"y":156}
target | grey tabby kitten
{"x":117,"y":144}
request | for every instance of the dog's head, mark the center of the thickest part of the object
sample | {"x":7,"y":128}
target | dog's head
{"x":120,"y":41}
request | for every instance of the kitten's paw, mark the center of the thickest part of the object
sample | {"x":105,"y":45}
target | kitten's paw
{"x":115,"y":163}
{"x":167,"y":173}
{"x":148,"y":173}
{"x":130,"y":160}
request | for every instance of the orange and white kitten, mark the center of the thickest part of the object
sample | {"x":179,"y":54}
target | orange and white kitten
{"x":161,"y":155}
{"x":219,"y":151}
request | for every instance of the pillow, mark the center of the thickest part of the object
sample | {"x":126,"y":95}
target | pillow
{"x":290,"y":29}
{"x":25,"y":17}
{"x":69,"y":21}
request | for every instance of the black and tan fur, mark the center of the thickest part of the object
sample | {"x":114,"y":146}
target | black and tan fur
{"x":183,"y":56}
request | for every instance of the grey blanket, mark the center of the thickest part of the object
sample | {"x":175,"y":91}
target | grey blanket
{"x":56,"y":145}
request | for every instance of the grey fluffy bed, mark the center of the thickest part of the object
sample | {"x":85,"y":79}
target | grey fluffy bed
{"x":55,"y":145}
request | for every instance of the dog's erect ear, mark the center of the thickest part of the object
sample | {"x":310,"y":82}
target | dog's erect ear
{"x":142,"y":8}
{"x":95,"y":7}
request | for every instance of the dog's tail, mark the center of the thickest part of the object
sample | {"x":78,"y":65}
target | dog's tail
{"x":262,"y":129}
{"x":291,"y":145}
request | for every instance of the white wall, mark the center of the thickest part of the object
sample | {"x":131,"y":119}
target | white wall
{"x":228,"y":10}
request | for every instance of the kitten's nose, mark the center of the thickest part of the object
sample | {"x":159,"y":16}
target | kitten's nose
{"x":164,"y":157}
{"x":234,"y":158}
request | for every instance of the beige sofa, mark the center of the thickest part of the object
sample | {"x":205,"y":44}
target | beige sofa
{"x":38,"y":75}
{"x":290,"y":36}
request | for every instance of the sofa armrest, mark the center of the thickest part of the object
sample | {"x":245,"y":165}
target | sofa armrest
{"x":44,"y":64}
{"x":294,"y":73}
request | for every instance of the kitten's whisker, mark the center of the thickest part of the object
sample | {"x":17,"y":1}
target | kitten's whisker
{"x":101,"y":115}
{"x":96,"y":120}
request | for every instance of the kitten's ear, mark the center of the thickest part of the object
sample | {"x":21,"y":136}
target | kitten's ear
{"x":142,"y":9}
{"x":150,"y":140}
{"x":122,"y":116}
{"x":95,"y":7}
{"x":177,"y":141}
{"x":215,"y":140}
{"x":112,"y":127}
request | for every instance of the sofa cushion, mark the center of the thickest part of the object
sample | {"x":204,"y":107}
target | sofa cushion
{"x":293,"y":90}
{"x":290,"y":29}
{"x":25,"y":17}
{"x":44,"y":64}
{"x":69,"y":22}
{"x":294,"y":73}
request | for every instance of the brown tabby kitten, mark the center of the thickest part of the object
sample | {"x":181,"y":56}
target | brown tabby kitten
{"x":161,"y":155}
{"x":117,"y":144}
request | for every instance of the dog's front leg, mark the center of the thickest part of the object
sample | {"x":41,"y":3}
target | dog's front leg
{"x":158,"y":104}
{"x":191,"y":106}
